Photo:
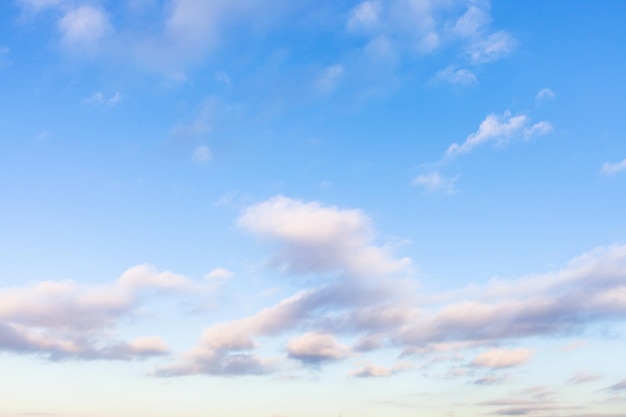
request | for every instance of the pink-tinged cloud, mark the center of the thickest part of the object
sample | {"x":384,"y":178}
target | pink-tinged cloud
{"x":314,"y":348}
{"x":502,"y":358}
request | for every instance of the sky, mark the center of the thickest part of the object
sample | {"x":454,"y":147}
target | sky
{"x":312,"y":208}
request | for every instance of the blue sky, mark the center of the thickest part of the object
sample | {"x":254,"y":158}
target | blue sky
{"x":294,"y":209}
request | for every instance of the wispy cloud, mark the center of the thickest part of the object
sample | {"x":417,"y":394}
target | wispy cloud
{"x":500,"y":129}
{"x":545,"y":94}
{"x":100,"y":98}
{"x":502,"y":358}
{"x":457,"y":76}
{"x":583,"y":378}
{"x":202,"y":154}
{"x":5,"y":61}
{"x":436,"y":182}
{"x":491,"y":48}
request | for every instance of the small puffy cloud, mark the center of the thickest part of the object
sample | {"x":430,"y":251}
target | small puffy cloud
{"x":461,"y":76}
{"x":202,"y":154}
{"x":84,"y":26}
{"x":100,"y":98}
{"x":502,"y":358}
{"x":609,"y":168}
{"x":329,"y":79}
{"x":491,"y":48}
{"x":436,"y":182}
{"x":545,"y":94}
{"x":500,"y":128}
{"x":314,"y":348}
{"x":320,"y":239}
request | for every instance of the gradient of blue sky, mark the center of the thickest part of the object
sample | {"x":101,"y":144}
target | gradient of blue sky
{"x":254,"y":208}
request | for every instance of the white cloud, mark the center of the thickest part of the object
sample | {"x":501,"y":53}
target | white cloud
{"x":609,"y":168}
{"x":472,"y":22}
{"x":502,"y":358}
{"x":436,"y":182}
{"x":425,"y":26}
{"x":84,"y":26}
{"x":545,"y":94}
{"x":202,"y":154}
{"x":500,"y":128}
{"x":365,"y":17}
{"x":329,"y":79}
{"x":64,"y":319}
{"x":4,"y":57}
{"x":492,"y":48}
{"x":39,"y":5}
{"x":100,"y":98}
{"x":456,"y":76}
{"x":314,"y":348}
{"x":319,"y":239}
{"x":538,"y":129}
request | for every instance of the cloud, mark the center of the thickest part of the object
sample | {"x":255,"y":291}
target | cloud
{"x":573,"y":345}
{"x":315,"y":348}
{"x":436,"y":182}
{"x":64,"y":319}
{"x":365,"y":17}
{"x":320,"y":239}
{"x":491,"y":380}
{"x":500,"y":128}
{"x":99,"y":98}
{"x":609,"y":168}
{"x":545,"y":94}
{"x":312,"y":239}
{"x":84,"y":26}
{"x":202,"y":154}
{"x":461,"y":76}
{"x":377,"y":371}
{"x":426,"y":26}
{"x":502,"y":358}
{"x":592,"y":287}
{"x":583,"y":378}
{"x":4,"y":57}
{"x":220,"y":274}
{"x":328,"y":81}
{"x":620,"y":386}
{"x":39,"y":5}
{"x":491,"y":48}
{"x":472,"y":22}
